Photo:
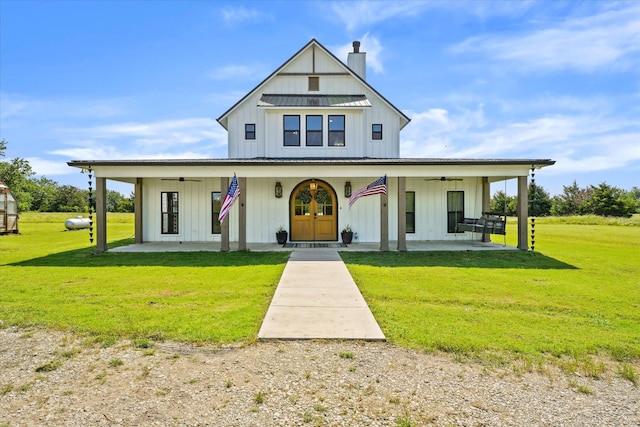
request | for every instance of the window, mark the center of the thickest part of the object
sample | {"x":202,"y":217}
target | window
{"x":216,"y":203}
{"x":336,"y":131}
{"x":314,"y":83}
{"x":250,"y":131}
{"x":169,"y":208}
{"x":292,"y":131}
{"x":411,"y":212}
{"x":455,"y":210}
{"x":314,"y":131}
{"x":376,"y":131}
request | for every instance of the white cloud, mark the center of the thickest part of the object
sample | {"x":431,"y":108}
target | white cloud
{"x":47,"y":167}
{"x":368,"y":44}
{"x":610,"y":39}
{"x":233,"y":71}
{"x":580,"y":143}
{"x":150,"y":140}
{"x":240,"y":15}
{"x":357,"y":14}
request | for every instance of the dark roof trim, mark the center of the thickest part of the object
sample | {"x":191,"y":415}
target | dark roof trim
{"x":311,"y":162}
{"x":312,"y":41}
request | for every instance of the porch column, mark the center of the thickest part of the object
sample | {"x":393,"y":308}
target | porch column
{"x":384,"y":222}
{"x":224,"y":226}
{"x":523,"y":213}
{"x":242,"y":222}
{"x":486,"y":202}
{"x":402,"y":213}
{"x":101,"y":215}
{"x":137,"y":209}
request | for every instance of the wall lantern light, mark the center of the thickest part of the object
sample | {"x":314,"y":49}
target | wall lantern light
{"x":313,"y":186}
{"x":347,"y":189}
{"x":278,"y":190}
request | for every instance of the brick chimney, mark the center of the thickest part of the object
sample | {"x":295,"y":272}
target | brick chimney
{"x":357,"y":61}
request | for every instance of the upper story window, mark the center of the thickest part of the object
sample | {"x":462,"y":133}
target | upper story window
{"x":292,"y":131}
{"x":250,"y":131}
{"x":336,"y":131}
{"x":376,"y":131}
{"x":314,"y":83}
{"x":314,"y":131}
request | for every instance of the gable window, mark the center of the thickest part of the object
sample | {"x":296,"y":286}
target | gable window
{"x":216,"y":203}
{"x":169,"y":210}
{"x":376,"y":131}
{"x":336,"y":131}
{"x":250,"y":131}
{"x":455,"y":210}
{"x":292,"y":131}
{"x":314,"y":83}
{"x":411,"y":212}
{"x":314,"y":131}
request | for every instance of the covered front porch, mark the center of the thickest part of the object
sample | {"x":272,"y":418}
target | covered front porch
{"x":381,"y":222}
{"x":464,"y":244}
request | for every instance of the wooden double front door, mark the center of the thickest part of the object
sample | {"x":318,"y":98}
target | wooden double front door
{"x":313,"y":210}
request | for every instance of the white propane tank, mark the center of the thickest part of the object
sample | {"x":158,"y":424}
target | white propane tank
{"x":77,"y":223}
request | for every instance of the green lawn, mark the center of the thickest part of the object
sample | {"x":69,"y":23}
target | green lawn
{"x":52,"y":278}
{"x":577,"y":294}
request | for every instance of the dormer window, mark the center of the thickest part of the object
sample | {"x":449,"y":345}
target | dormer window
{"x":314,"y":83}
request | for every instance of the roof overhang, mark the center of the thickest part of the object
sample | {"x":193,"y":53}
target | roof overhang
{"x":129,"y":170}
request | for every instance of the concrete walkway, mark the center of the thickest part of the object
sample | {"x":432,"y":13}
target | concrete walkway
{"x":317,"y":298}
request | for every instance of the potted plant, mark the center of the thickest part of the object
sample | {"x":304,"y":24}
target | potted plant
{"x":347,"y":235}
{"x":281,"y":236}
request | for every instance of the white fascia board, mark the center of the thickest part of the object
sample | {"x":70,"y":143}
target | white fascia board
{"x":126,"y":173}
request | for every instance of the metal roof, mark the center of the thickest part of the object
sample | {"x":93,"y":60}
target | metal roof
{"x":315,"y":161}
{"x":287,"y":100}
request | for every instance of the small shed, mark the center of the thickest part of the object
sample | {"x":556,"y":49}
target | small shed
{"x":8,"y":210}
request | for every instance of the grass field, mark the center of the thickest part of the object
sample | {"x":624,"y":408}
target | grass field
{"x":577,"y":294}
{"x":51,"y":278}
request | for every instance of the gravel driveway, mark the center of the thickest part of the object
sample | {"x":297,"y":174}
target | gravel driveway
{"x":58,"y":379}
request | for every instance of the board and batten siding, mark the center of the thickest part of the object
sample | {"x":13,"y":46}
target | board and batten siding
{"x":266,"y":213}
{"x":269,"y":120}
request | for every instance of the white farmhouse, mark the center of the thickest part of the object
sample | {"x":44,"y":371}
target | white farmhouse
{"x":300,"y":143}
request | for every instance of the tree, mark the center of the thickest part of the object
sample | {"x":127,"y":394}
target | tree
{"x":539,"y":200}
{"x":69,"y":199}
{"x":502,"y":203}
{"x":3,"y":147}
{"x":44,"y":191}
{"x":16,"y":174}
{"x":609,"y":201}
{"x":634,"y":194}
{"x":116,"y":202}
{"x":571,"y":201}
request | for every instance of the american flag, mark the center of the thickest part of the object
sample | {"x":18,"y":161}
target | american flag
{"x":232,"y":195}
{"x":379,"y":186}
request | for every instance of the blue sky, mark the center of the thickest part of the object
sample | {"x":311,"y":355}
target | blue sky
{"x":480,"y":79}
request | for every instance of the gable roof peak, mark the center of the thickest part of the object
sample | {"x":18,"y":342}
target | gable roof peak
{"x":405,"y":120}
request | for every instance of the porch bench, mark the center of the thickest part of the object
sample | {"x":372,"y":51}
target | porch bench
{"x":489,"y":223}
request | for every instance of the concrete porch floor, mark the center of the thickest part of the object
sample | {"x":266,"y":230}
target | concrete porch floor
{"x":453,"y":245}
